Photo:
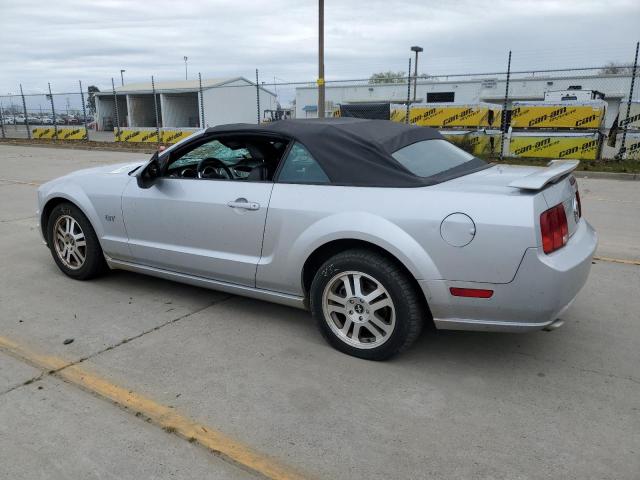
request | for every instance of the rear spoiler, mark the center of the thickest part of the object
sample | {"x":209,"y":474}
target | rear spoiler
{"x":555,"y":169}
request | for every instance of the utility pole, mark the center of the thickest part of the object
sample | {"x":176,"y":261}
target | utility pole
{"x":321,"y":102}
{"x":122,"y":77}
{"x":185,"y":67}
{"x":415,"y":71}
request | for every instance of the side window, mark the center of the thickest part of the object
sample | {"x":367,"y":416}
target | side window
{"x":301,"y":167}
{"x":210,"y":149}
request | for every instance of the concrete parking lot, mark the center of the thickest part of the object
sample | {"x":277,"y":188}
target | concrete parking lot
{"x":545,"y":405}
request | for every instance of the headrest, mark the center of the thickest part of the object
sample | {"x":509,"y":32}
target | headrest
{"x":259,"y":173}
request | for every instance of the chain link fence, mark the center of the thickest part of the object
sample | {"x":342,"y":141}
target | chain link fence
{"x":561,"y":113}
{"x":590,"y":113}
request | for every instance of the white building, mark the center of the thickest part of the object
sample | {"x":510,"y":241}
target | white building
{"x":224,"y":100}
{"x":531,"y":86}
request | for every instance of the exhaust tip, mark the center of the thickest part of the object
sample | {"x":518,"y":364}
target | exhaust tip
{"x":557,"y":323}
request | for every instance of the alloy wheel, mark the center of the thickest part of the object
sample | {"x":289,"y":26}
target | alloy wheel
{"x":358,"y":309}
{"x":69,"y":242}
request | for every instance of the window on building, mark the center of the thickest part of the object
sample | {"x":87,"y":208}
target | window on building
{"x":440,"y":97}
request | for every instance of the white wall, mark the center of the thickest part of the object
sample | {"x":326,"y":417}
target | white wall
{"x":141,"y":110}
{"x":235,"y":103}
{"x":105,"y":109}
{"x":180,"y":109}
{"x":268,"y":101}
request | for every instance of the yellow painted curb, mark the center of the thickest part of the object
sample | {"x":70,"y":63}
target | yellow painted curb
{"x":163,"y":416}
{"x":20,"y":182}
{"x":617,"y":260}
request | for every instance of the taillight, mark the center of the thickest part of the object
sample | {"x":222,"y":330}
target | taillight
{"x":471,"y":292}
{"x":554,"y":229}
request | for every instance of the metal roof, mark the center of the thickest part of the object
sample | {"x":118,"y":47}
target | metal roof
{"x":179,"y":86}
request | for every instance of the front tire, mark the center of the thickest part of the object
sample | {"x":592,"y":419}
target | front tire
{"x":73,"y":243}
{"x":365,"y":305}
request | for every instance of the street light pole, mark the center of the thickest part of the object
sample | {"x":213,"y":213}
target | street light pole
{"x":321,"y":101}
{"x":122,"y":77}
{"x":185,"y":67}
{"x":415,"y":70}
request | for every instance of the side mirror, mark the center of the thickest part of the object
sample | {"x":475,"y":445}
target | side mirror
{"x":148,"y":175}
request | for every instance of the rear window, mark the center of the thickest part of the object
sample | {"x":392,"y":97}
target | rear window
{"x":436,"y":158}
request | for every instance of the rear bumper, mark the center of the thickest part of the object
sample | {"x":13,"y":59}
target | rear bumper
{"x":542,"y":290}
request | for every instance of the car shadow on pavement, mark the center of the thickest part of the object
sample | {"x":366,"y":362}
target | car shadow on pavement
{"x":433,"y":347}
{"x":486,"y":352}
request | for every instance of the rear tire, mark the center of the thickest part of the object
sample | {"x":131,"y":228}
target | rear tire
{"x":73,"y":243}
{"x":365,"y":305}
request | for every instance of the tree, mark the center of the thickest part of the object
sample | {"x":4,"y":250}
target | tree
{"x":388,"y":77}
{"x":613,"y":68}
{"x":91,"y":98}
{"x":392,"y":77}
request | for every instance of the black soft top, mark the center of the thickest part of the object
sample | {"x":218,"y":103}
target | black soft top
{"x":351,"y":151}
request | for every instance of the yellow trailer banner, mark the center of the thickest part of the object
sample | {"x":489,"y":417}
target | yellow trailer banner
{"x":541,"y":146}
{"x":62,"y":134}
{"x":557,"y":116}
{"x":632,"y":144}
{"x":72,"y":133}
{"x":633,"y":149}
{"x":464,"y":116}
{"x":398,"y":114}
{"x":448,"y":116}
{"x":173,"y":136}
{"x":128,"y":135}
{"x":633,"y":121}
{"x":43,"y":132}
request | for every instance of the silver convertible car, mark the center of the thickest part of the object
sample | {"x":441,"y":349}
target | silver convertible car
{"x":377,"y":228}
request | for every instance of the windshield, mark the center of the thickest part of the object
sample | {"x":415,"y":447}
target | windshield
{"x":430,"y":158}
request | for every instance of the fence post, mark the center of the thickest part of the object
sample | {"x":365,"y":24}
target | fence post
{"x":155,"y":109}
{"x":4,"y":135}
{"x":115,"y":105}
{"x":623,"y":142}
{"x":26,"y":116}
{"x":201,"y":101}
{"x":504,"y":107}
{"x":406,"y":118}
{"x":84,"y":112}
{"x":53,"y":113}
{"x":258,"y":96}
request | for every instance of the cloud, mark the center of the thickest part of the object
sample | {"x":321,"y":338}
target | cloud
{"x":66,"y":40}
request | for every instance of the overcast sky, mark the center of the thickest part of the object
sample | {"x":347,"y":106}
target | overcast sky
{"x":62,"y":41}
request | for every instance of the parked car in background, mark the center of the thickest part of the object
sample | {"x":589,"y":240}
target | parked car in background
{"x":376,"y":227}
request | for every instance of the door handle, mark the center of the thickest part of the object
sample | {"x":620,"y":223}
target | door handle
{"x":244,"y":204}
